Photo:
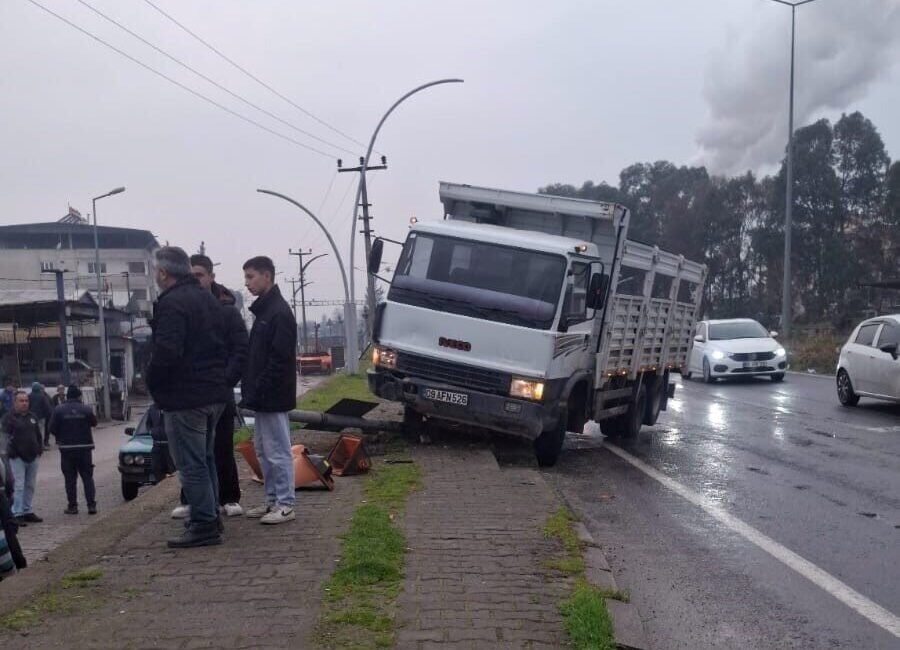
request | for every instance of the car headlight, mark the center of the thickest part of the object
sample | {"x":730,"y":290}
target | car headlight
{"x":718,"y":355}
{"x":128,"y":459}
{"x":139,"y":460}
{"x":384,"y":357}
{"x":780,"y":352}
{"x":527,"y":389}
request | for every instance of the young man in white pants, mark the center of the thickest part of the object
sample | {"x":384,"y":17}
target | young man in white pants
{"x":269,"y":387}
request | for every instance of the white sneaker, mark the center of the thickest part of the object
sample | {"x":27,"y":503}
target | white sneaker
{"x":279,"y":515}
{"x":232,"y":509}
{"x":259,"y":511}
{"x":181,"y":512}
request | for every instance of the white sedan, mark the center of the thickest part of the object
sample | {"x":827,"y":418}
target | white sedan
{"x":868,"y":364}
{"x":736,"y":347}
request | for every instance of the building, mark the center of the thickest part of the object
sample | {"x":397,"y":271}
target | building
{"x":29,"y":251}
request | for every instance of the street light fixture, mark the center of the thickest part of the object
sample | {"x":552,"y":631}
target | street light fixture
{"x":104,"y":355}
{"x":789,"y":180}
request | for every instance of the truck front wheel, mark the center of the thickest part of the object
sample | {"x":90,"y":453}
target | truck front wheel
{"x":549,"y":444}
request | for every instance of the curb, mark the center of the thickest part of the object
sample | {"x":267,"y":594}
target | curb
{"x":628,"y":628}
{"x":86,"y":548}
{"x":811,"y":374}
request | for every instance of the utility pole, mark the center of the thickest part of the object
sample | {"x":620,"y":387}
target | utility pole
{"x":363,"y":169}
{"x":63,"y":336}
{"x":300,"y":255}
{"x":128,"y":304}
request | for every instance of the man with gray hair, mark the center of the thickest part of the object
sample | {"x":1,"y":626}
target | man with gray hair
{"x":186,"y":378}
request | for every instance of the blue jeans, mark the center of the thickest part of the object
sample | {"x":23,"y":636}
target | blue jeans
{"x":24,"y":475}
{"x":272,"y":441}
{"x":191,"y":434}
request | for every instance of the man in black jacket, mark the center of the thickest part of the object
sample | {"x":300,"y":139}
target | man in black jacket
{"x":24,"y":447}
{"x":235,"y":360}
{"x":71,"y":424}
{"x":186,"y":378}
{"x":269,"y":387}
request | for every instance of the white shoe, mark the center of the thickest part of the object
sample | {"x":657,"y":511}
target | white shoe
{"x":279,"y":515}
{"x":181,"y":512}
{"x":259,"y":511}
{"x":232,"y":509}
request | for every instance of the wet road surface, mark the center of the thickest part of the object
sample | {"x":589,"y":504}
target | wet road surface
{"x":786,"y":460}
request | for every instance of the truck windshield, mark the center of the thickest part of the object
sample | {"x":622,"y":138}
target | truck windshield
{"x":479,"y":279}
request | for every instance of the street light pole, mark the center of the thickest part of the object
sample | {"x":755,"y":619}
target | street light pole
{"x":104,"y":358}
{"x":362,"y":186}
{"x":349,"y":306}
{"x":127,"y":275}
{"x":789,"y":182}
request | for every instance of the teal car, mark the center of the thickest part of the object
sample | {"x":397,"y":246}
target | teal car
{"x":135,"y":464}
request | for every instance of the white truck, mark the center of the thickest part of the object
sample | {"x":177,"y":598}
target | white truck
{"x":530,"y":315}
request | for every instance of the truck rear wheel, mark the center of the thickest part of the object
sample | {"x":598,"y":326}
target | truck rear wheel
{"x":654,"y":402}
{"x":634,"y":416}
{"x":549,"y":444}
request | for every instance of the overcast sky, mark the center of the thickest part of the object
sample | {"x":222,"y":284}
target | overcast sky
{"x":554,"y":92}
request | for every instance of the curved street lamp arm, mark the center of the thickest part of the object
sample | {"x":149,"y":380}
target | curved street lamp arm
{"x":313,"y":259}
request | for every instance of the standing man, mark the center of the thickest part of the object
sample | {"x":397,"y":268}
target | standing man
{"x":269,"y":387}
{"x":235,"y":361}
{"x":71,"y":424}
{"x":23,"y":439}
{"x":40,"y":405}
{"x":186,"y":378}
{"x":60,"y":396}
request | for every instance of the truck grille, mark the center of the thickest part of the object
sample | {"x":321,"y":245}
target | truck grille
{"x":457,"y":374}
{"x":753,"y":356}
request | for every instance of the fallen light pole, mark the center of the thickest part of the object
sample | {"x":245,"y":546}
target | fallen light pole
{"x":337,"y":422}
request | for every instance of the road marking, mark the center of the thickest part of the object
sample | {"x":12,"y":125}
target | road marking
{"x":882,"y":617}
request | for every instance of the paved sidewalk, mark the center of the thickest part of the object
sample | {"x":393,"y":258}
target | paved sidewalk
{"x":475,"y":569}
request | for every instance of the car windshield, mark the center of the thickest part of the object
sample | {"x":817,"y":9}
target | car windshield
{"x":479,"y":279}
{"x":741,"y":330}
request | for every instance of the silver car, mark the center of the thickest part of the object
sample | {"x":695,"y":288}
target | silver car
{"x":869,"y":365}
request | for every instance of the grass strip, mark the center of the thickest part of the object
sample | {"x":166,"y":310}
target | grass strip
{"x":61,"y":599}
{"x":360,"y":597}
{"x":586,"y":619}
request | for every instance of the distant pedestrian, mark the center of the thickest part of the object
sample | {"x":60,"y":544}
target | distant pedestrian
{"x":236,"y":343}
{"x":186,"y":377}
{"x":71,"y":424}
{"x":60,"y":396}
{"x":269,"y":387}
{"x":40,"y":405}
{"x":23,"y":439}
{"x":6,"y":399}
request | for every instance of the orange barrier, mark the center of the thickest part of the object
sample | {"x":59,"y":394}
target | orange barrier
{"x":308,"y":473}
{"x":348,"y":456}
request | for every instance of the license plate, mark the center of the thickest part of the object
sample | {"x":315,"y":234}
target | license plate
{"x":752,"y":364}
{"x":449,"y":397}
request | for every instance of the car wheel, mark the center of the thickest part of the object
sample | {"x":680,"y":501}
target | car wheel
{"x":707,"y":372}
{"x":778,"y":376}
{"x":129,"y":490}
{"x":846,"y":394}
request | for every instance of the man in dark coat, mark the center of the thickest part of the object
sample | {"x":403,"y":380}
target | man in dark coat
{"x":186,"y":377}
{"x":40,"y":405}
{"x":236,"y":343}
{"x":23,"y":440}
{"x":269,"y":387}
{"x":71,"y":424}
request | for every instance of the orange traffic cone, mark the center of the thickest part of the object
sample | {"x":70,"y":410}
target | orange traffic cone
{"x":349,"y":456}
{"x":310,"y":471}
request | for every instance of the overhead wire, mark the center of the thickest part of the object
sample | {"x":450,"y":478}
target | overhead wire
{"x":254,"y":77}
{"x":210,"y":80}
{"x":184,"y":87}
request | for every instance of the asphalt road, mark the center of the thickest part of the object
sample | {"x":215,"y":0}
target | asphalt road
{"x":784,"y":463}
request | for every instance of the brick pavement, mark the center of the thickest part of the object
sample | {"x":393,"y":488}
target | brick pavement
{"x":475,"y":576}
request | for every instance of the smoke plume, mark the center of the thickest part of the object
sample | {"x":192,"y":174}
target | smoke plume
{"x":843,"y":46}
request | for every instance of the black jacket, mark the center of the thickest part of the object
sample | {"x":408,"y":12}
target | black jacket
{"x":236,"y":340}
{"x":71,"y":423}
{"x":187,"y":366}
{"x":39,"y":403}
{"x":270,"y":379}
{"x":23,"y":434}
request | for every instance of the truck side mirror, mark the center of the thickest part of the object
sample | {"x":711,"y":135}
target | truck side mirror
{"x":597,"y":290}
{"x":375,"y":255}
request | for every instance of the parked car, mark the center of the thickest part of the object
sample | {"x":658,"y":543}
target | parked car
{"x":318,"y":363}
{"x":868,"y":365}
{"x":135,"y":456}
{"x":735,"y":347}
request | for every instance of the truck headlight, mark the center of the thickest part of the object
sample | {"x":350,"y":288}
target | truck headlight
{"x":384,"y":357}
{"x":527,"y":389}
{"x":718,"y":355}
{"x":780,"y":352}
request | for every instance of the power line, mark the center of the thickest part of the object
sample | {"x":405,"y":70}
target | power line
{"x":178,"y":83}
{"x":255,"y":78}
{"x":208,"y":79}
